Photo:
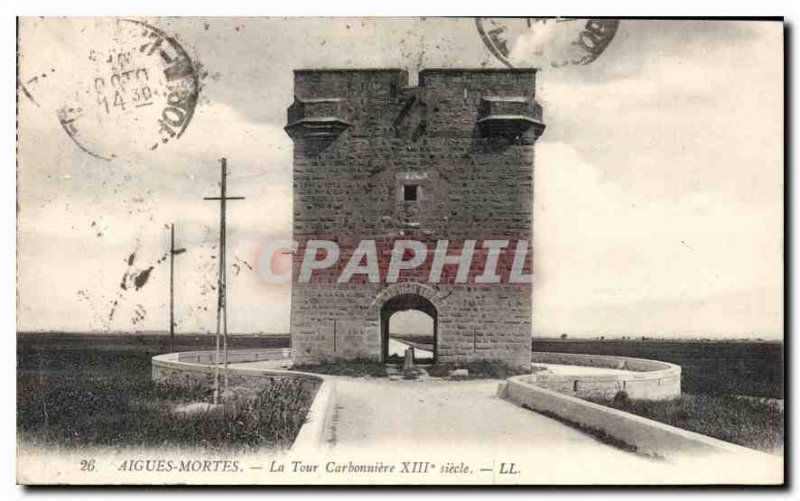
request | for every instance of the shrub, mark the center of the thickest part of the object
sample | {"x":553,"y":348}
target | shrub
{"x":440,"y":370}
{"x":622,"y":400}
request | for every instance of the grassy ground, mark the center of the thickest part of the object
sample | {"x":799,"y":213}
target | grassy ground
{"x":101,"y":395}
{"x":358,"y":367}
{"x":483,"y":369}
{"x":754,"y":423}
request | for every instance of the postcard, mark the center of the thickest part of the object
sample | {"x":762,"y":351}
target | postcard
{"x":400,"y":251}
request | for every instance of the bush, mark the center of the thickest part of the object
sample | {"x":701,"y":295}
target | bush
{"x":440,"y":370}
{"x":622,"y":400}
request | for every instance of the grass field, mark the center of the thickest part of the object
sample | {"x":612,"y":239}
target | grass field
{"x":754,"y":423}
{"x":78,"y":391}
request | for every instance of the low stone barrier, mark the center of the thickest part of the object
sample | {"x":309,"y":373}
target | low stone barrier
{"x":647,"y":379}
{"x":648,"y":436}
{"x":311,"y":436}
{"x":198,"y":367}
{"x":236,"y":356}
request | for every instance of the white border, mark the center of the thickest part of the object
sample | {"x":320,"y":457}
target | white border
{"x":308,"y":8}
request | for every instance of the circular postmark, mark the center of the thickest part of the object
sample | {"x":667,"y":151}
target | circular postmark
{"x":556,"y":42}
{"x":128,"y":87}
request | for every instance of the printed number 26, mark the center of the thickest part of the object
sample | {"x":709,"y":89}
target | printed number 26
{"x":87,"y":464}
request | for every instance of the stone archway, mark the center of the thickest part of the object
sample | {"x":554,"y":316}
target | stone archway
{"x":404,"y":302}
{"x":399,"y":297}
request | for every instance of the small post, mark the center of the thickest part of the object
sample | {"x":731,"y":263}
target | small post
{"x":171,"y":282}
{"x":408,"y":363}
{"x":172,"y":253}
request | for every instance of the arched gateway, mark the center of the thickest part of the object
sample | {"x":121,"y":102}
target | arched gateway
{"x":401,"y":303}
{"x":403,"y":297}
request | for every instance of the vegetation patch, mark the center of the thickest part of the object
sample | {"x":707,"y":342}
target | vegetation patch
{"x":358,"y":367}
{"x":482,"y":369}
{"x":600,"y":435}
{"x":88,"y":397}
{"x":754,"y":423}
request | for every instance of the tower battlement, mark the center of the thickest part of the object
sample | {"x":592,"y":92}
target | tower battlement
{"x":384,"y":82}
{"x":500,"y":101}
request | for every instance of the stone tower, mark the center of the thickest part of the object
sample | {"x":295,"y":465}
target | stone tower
{"x":435,"y":177}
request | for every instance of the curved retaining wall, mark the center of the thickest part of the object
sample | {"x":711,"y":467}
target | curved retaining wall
{"x":651,"y":379}
{"x":646,"y":435}
{"x":197,"y":367}
{"x":562,"y":397}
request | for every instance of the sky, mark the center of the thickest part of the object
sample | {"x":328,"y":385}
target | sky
{"x":658,"y":188}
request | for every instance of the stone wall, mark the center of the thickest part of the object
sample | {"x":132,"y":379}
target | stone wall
{"x":646,"y":379}
{"x":196,"y":368}
{"x":360,"y":136}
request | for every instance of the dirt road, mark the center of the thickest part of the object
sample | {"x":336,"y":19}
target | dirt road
{"x":379,"y":413}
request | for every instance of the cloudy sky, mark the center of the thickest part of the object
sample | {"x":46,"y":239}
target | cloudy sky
{"x":658,"y":187}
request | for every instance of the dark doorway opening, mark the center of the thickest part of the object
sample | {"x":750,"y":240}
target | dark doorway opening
{"x":414,"y":330}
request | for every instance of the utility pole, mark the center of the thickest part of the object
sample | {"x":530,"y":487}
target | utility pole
{"x":222,"y":309}
{"x":172,"y":253}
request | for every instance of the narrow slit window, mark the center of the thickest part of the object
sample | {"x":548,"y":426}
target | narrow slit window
{"x":410,"y":193}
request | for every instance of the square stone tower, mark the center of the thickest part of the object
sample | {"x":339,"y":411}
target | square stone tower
{"x":438,"y":172}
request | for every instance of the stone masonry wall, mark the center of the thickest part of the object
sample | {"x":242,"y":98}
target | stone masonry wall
{"x":349,"y":187}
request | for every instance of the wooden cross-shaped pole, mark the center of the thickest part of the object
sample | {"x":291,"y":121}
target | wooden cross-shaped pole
{"x":172,"y":253}
{"x":222,"y":310}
